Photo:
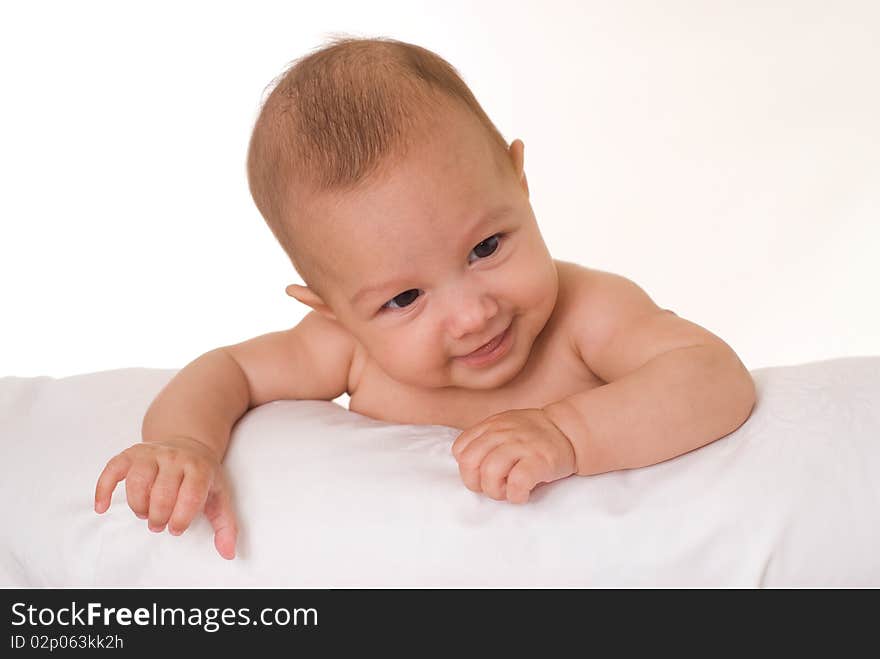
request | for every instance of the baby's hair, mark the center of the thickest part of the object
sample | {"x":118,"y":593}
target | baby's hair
{"x":340,"y":114}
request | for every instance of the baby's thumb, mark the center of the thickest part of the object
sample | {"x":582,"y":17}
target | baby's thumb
{"x":218,"y":510}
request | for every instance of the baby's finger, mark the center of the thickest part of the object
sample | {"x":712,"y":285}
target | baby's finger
{"x":219,"y":511}
{"x":522,"y":479}
{"x":190,"y":500}
{"x":494,"y":469}
{"x":137,"y":486}
{"x":162,"y":498}
{"x":475,"y":432}
{"x":114,"y":471}
{"x":469,"y":460}
{"x":465,"y":438}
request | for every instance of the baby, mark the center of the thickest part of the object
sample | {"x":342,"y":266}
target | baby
{"x":434,"y":301}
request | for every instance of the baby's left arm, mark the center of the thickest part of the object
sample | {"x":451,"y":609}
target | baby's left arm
{"x":672,"y":387}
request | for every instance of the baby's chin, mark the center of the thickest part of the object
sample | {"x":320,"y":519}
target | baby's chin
{"x":491,"y":379}
{"x":501,"y":375}
{"x":460,"y":376}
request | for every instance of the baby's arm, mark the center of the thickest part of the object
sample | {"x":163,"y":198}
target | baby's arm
{"x":175,"y":471}
{"x":671,"y":387}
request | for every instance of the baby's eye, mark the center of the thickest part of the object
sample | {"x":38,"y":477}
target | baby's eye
{"x":487,"y":247}
{"x":403,"y":300}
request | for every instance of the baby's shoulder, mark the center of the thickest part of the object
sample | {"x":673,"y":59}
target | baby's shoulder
{"x":584,"y":280}
{"x":594,"y":303}
{"x":615,"y":326}
{"x":582,"y":289}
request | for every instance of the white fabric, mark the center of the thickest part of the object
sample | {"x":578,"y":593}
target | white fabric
{"x":329,"y":498}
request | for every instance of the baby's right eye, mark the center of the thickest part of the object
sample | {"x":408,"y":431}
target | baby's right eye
{"x":404,"y":299}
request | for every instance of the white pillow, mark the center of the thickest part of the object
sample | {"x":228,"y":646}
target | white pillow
{"x":329,"y":498}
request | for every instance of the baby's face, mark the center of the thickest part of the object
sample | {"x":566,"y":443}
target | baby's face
{"x":436,"y":259}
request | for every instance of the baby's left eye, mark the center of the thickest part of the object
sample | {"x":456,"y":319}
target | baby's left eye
{"x":488,"y":247}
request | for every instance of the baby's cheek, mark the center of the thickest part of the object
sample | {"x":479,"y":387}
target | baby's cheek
{"x":534,"y":287}
{"x":415,"y":362}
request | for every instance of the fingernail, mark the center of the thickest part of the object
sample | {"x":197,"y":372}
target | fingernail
{"x":156,"y":529}
{"x":174,"y":531}
{"x":140,"y":516}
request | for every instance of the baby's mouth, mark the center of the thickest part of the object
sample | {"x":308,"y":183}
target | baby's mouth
{"x":488,"y":346}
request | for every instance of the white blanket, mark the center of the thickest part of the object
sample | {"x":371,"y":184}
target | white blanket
{"x":329,"y":498}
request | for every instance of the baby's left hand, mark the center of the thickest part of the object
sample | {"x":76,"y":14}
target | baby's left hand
{"x":507,"y":454}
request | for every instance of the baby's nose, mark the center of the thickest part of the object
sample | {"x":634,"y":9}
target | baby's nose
{"x":471,"y":313}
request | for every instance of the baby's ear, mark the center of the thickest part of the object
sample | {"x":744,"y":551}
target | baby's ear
{"x":311,"y":299}
{"x":517,"y":156}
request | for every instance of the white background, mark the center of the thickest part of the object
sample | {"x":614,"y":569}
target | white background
{"x":723,"y":155}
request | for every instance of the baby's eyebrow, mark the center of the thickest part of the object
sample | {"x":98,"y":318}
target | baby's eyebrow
{"x":394,"y":283}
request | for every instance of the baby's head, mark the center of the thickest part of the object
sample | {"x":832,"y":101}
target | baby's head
{"x":404,"y":211}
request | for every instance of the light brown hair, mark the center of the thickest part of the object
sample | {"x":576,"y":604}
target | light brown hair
{"x":339,"y":114}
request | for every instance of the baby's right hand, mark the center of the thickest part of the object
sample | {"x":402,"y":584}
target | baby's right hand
{"x":169,"y":482}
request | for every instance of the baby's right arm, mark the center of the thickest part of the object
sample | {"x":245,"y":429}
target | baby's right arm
{"x":175,"y":471}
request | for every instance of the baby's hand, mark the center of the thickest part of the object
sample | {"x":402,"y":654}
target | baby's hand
{"x":506,"y":455}
{"x":169,"y":482}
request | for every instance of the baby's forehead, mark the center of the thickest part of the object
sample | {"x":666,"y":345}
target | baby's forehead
{"x":399,"y":219}
{"x":361,"y":264}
